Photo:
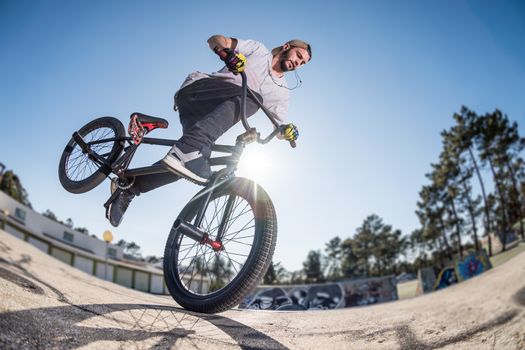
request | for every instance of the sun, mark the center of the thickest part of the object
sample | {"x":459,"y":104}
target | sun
{"x":255,"y":164}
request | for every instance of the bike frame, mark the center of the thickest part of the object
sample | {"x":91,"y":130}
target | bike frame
{"x":127,"y":176}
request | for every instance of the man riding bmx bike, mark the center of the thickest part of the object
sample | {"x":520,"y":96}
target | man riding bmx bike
{"x":208,"y":106}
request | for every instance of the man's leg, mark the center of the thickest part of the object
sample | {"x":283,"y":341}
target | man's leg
{"x":142,"y":184}
{"x":202,"y":97}
{"x":189,"y":157}
{"x":146,"y":183}
{"x":207,"y":109}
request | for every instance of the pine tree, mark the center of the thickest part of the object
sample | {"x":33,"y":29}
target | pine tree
{"x":11,"y":185}
{"x":333,"y":252}
{"x":313,"y":267}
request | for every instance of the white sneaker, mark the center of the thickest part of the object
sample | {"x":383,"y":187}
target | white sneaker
{"x":189,"y":162}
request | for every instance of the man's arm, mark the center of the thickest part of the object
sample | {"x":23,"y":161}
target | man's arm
{"x":219,"y":42}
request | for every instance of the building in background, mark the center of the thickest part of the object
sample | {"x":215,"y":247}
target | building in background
{"x":78,"y":249}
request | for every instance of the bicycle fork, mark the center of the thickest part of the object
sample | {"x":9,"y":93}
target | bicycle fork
{"x":194,"y":232}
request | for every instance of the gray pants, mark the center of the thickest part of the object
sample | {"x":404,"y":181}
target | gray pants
{"x":207,"y":109}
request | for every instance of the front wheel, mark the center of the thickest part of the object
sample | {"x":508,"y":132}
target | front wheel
{"x":203,"y":279}
{"x":78,"y":173}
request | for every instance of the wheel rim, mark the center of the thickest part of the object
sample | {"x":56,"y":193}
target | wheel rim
{"x":203,"y":271}
{"x":78,"y":166}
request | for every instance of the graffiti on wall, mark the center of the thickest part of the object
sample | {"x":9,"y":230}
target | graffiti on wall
{"x":322,"y":296}
{"x":464,"y":268}
{"x":426,"y":278}
{"x":472,"y":265}
{"x":446,"y":277}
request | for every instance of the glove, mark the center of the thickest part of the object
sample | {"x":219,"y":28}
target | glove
{"x":290,"y":132}
{"x":235,"y":61}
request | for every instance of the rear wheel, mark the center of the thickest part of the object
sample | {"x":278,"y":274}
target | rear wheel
{"x":203,"y":279}
{"x":78,"y":173}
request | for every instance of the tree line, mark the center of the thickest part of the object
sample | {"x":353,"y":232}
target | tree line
{"x":376,"y":249}
{"x":475,"y":188}
{"x":482,"y":151}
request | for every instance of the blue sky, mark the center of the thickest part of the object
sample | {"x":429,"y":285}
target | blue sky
{"x":384,"y":80}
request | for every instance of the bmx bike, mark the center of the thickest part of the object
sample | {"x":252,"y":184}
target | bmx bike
{"x":222,"y":242}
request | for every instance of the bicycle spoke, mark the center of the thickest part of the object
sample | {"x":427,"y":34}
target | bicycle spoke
{"x":228,"y":273}
{"x":80,"y":155}
{"x":234,"y":219}
{"x":238,"y":242}
{"x":75,"y":168}
{"x":205,"y":267}
{"x":244,"y":228}
{"x":238,"y":201}
{"x":235,"y":254}
{"x":187,"y":252}
{"x":193,"y":268}
{"x":251,"y":236}
{"x":218,"y":214}
{"x":202,"y":269}
{"x":189,"y":257}
{"x":187,"y":267}
{"x":206,"y":270}
{"x":235,"y":261}
{"x":231,"y":260}
{"x":183,"y":250}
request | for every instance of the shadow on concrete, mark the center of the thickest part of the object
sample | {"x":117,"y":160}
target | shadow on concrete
{"x":74,"y":326}
{"x":139,"y":326}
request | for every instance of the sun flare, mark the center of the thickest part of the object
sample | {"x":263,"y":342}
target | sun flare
{"x":255,"y":164}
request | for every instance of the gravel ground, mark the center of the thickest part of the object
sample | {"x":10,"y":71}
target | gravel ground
{"x":45,"y":304}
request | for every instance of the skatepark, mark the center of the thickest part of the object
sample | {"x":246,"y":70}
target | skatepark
{"x":355,"y":171}
{"x":47,"y":304}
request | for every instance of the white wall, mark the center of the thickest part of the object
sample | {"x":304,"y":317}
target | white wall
{"x":62,"y":255}
{"x":141,"y":281}
{"x":39,"y":224}
{"x":101,"y":271}
{"x":14,"y":232}
{"x":157,"y":284}
{"x":43,"y":246}
{"x":124,"y":277}
{"x":84,"y":264}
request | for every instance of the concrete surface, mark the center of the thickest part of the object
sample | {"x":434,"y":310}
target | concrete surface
{"x":45,"y":304}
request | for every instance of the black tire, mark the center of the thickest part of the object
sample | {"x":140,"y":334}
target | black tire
{"x":79,"y":174}
{"x":254,"y":206}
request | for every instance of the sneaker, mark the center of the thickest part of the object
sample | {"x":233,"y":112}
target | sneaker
{"x":116,"y":209}
{"x":189,"y":162}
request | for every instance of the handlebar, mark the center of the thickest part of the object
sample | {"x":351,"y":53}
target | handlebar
{"x":269,"y":114}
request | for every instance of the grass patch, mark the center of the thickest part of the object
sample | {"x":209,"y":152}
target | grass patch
{"x":502,"y":258}
{"x":407,"y":289}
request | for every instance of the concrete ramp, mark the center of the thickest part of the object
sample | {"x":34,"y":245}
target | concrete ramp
{"x":45,"y":304}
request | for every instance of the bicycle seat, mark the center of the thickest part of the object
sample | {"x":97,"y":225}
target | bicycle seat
{"x":149,"y":122}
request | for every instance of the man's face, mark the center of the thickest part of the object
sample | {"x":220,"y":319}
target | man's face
{"x":293,"y":58}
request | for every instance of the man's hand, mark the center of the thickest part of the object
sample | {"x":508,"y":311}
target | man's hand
{"x":289,"y":132}
{"x":235,"y":61}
